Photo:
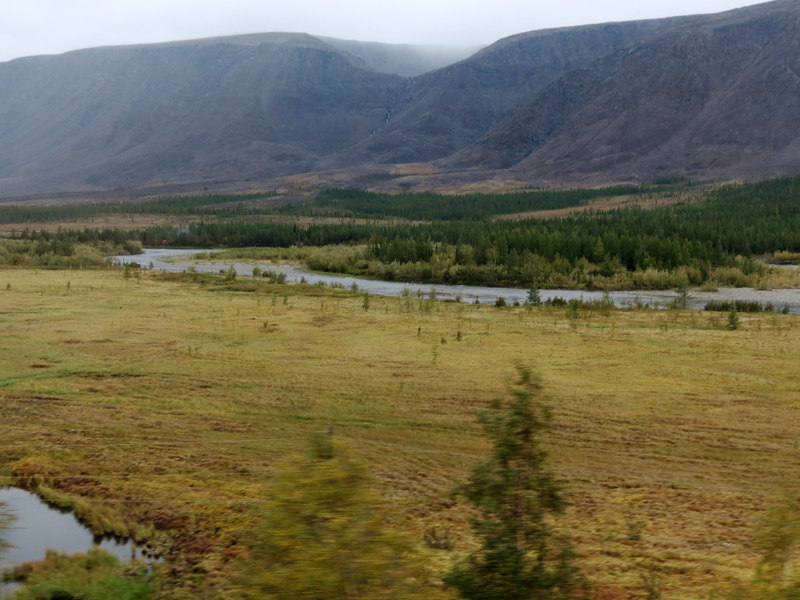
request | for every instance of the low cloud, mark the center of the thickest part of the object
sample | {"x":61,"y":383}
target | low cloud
{"x":55,"y":26}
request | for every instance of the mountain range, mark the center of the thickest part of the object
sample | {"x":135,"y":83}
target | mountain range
{"x":705,"y":97}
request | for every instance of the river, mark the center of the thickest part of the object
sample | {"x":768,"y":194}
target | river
{"x":170,"y":259}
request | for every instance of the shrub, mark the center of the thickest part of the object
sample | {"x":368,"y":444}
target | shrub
{"x":94,"y":575}
{"x":321,"y":535}
{"x":733,"y":318}
{"x":515,"y":496}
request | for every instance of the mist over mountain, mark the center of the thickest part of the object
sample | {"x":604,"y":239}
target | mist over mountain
{"x":207,"y":110}
{"x":406,"y":60}
{"x":710,"y":96}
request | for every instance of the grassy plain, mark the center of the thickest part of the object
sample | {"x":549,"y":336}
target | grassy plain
{"x":159,"y":406}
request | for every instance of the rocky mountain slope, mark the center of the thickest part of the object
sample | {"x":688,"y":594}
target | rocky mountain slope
{"x":451,"y":108}
{"x":709,"y":96}
{"x":194,"y":111}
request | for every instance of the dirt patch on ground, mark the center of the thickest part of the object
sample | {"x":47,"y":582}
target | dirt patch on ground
{"x":413,"y":169}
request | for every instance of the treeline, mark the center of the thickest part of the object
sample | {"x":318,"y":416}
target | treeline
{"x":117,"y":238}
{"x":738,"y":220}
{"x":176,"y":205}
{"x":242,"y":235}
{"x":342,"y":202}
{"x":440,"y":207}
{"x":624,"y":248}
{"x":70,"y":249}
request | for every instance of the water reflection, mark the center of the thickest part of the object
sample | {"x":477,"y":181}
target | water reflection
{"x":38,"y":527}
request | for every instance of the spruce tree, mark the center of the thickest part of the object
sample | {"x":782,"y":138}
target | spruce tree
{"x":521,"y":556}
{"x":534,"y":295}
{"x":682,"y":299}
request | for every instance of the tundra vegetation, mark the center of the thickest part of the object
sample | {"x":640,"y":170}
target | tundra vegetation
{"x":672,"y":234}
{"x":93,"y":575}
{"x":322,"y":536}
{"x":176,"y":409}
{"x":170,"y":407}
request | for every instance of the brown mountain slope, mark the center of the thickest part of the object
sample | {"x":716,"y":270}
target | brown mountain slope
{"x":715,"y":97}
{"x":208,"y":109}
{"x":450,"y":108}
{"x":259,"y":106}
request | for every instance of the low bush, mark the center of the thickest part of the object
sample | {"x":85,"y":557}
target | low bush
{"x":94,"y":575}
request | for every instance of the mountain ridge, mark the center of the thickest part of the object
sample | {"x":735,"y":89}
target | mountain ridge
{"x":710,"y":96}
{"x":686,"y":102}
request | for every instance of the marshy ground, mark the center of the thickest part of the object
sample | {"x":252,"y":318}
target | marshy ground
{"x":164,"y":403}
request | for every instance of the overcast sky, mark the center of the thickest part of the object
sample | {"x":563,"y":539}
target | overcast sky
{"x":29,"y":27}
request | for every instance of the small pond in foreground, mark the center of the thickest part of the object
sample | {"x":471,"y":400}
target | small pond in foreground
{"x":38,"y":527}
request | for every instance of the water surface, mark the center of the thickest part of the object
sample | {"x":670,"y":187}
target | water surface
{"x":170,"y":259}
{"x":38,"y":527}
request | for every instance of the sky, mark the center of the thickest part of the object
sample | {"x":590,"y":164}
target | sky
{"x":31,"y":27}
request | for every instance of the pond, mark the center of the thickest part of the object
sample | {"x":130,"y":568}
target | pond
{"x":39,"y":526}
{"x":170,"y":259}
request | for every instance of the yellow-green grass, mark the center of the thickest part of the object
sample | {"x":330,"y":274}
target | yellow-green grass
{"x":164,"y":404}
